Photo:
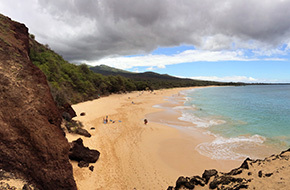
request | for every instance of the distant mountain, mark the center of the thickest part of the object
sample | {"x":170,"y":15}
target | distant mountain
{"x":106,"y":70}
{"x":155,"y":80}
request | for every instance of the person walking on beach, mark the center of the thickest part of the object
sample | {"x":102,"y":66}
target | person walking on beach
{"x":105,"y":120}
{"x":145,"y":121}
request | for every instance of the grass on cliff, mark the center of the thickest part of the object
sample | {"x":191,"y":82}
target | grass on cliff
{"x":75,"y":83}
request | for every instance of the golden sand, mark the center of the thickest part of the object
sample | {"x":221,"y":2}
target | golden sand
{"x":135,"y":155}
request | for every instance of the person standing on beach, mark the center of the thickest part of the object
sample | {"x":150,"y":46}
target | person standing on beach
{"x":105,"y":120}
{"x":145,"y":121}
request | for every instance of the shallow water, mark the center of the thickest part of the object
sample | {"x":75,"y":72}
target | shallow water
{"x":248,"y":121}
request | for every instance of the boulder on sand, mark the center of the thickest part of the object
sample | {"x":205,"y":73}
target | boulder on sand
{"x":79,"y":152}
{"x":83,"y":132}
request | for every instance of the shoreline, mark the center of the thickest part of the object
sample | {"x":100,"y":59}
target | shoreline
{"x":191,"y":137}
{"x":134,"y":155}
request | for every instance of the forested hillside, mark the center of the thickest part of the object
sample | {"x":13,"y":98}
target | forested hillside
{"x":72,"y":83}
{"x":75,"y":83}
{"x":155,"y":80}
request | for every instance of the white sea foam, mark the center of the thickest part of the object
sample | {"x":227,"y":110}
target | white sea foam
{"x":182,"y":107}
{"x":183,"y":93}
{"x":157,"y":106}
{"x":236,"y":148}
{"x":187,"y":99}
{"x":200,"y":122}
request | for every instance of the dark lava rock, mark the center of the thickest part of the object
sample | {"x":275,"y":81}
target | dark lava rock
{"x":268,"y":174}
{"x":31,"y":140}
{"x":67,"y":108}
{"x":93,"y":128}
{"x":180,"y":181}
{"x":83,"y":114}
{"x":241,"y":186}
{"x":83,"y":164}
{"x":236,"y":171}
{"x":260,"y":173}
{"x":66,"y":116}
{"x":245,"y":164}
{"x":83,"y":132}
{"x":197,"y":180}
{"x":184,"y":182}
{"x":26,"y":187}
{"x":207,"y":174}
{"x":80,"y":153}
{"x":288,"y":150}
{"x":91,"y":168}
{"x":170,"y":188}
{"x":189,"y":185}
{"x":67,"y":111}
{"x":224,"y":180}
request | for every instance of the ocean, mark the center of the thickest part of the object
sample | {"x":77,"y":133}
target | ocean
{"x":246,"y":121}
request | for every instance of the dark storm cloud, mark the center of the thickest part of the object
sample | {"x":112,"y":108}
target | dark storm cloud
{"x":93,"y":29}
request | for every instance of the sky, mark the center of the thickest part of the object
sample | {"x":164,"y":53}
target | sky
{"x":221,"y":40}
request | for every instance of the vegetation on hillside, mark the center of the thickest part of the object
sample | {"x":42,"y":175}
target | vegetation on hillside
{"x":155,"y":80}
{"x":72,"y":83}
{"x":75,"y":83}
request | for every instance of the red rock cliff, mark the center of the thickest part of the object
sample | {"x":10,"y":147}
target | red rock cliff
{"x":32,"y":144}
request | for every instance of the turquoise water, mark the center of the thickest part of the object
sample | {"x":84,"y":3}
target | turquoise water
{"x":247,"y":121}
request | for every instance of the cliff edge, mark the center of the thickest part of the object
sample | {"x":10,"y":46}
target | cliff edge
{"x":32,"y":143}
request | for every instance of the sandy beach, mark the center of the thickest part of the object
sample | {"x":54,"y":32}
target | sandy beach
{"x":135,"y":155}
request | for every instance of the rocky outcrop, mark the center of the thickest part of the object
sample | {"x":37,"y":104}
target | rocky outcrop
{"x":31,"y":141}
{"x":67,"y":112}
{"x":270,"y":173}
{"x":83,"y":132}
{"x":76,"y":127}
{"x":80,"y":153}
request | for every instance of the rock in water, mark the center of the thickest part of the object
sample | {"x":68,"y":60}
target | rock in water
{"x":31,"y":141}
{"x":79,"y":152}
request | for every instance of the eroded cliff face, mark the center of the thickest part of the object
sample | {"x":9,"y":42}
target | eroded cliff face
{"x":32,"y":144}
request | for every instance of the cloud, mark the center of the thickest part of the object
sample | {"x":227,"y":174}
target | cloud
{"x":229,"y":79}
{"x":245,"y":79}
{"x":95,"y":29}
{"x":161,"y":61}
{"x":150,"y":69}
